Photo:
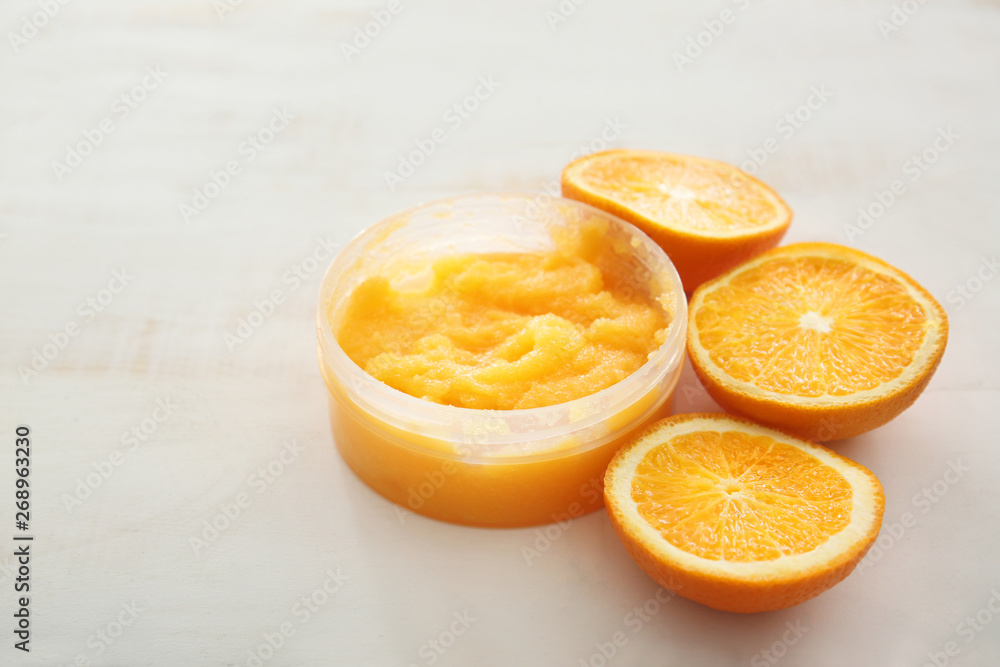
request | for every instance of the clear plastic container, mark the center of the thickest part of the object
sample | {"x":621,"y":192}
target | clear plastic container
{"x":492,"y":467}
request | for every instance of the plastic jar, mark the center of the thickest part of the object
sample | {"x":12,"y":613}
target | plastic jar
{"x":491,"y":467}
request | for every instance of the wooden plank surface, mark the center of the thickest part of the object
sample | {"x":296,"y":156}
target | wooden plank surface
{"x":148,"y":426}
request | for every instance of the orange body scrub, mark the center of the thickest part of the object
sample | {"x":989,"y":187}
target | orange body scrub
{"x":486,"y":356}
{"x":504,"y":331}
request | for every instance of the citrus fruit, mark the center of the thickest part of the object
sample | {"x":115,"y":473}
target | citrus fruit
{"x":708,"y":216}
{"x":737,"y":516}
{"x":815,"y":338}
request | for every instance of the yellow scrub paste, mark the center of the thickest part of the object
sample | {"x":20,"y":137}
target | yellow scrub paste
{"x":505,"y":331}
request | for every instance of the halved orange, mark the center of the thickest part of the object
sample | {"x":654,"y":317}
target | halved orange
{"x":740,"y":517}
{"x":816,"y":338}
{"x":707,"y":215}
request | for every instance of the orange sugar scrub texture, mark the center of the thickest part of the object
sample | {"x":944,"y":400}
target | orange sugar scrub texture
{"x":506,"y":331}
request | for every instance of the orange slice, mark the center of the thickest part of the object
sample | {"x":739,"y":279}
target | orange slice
{"x":708,"y":216}
{"x":740,"y":517}
{"x":822,"y":340}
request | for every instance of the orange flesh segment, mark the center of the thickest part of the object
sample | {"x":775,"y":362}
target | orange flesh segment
{"x":812,"y":326}
{"x":739,"y":497}
{"x":683,"y":193}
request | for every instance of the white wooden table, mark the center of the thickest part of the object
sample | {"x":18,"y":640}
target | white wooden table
{"x":208,"y":161}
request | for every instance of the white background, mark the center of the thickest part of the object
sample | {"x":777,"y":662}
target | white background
{"x":162,"y":337}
